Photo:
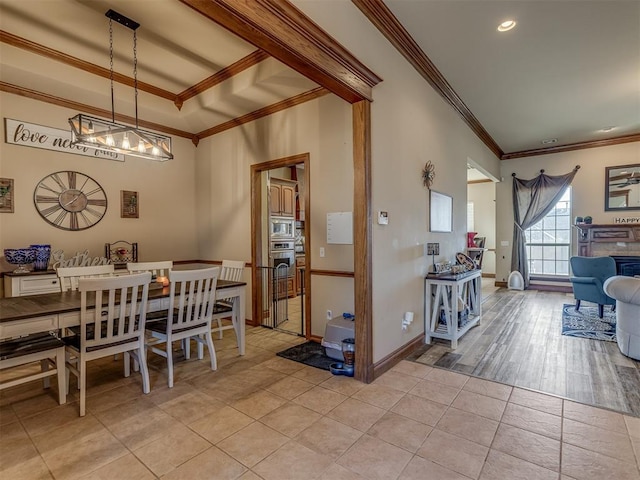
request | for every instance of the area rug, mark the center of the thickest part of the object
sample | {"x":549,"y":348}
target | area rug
{"x":309,"y":353}
{"x":585,"y":323}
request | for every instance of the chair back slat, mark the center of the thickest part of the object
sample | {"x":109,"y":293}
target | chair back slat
{"x":69,"y":276}
{"x":192,"y":295}
{"x":232,"y":270}
{"x":157,"y":269}
{"x":104,"y":304}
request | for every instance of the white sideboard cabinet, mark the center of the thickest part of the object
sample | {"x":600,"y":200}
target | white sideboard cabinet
{"x":32,"y":283}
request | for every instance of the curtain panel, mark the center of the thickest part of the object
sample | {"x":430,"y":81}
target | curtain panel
{"x":532,"y":201}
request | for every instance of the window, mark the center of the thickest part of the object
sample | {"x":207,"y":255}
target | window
{"x":548,"y":243}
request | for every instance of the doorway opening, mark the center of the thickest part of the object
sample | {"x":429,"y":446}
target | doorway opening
{"x":280,"y":244}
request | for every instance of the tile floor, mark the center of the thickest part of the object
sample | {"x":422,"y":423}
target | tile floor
{"x":261,"y":416}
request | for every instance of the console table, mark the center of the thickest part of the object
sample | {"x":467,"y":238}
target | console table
{"x":452,"y":305}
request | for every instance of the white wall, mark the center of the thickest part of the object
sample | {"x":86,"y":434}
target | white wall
{"x":587,"y":189}
{"x":322,"y":128}
{"x":167,"y":224}
{"x":411,"y":124}
{"x":483,"y":196}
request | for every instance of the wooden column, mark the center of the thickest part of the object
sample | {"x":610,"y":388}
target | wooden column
{"x":362,"y":248}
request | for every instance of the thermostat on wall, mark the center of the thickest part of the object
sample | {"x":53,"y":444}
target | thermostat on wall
{"x":383,"y":218}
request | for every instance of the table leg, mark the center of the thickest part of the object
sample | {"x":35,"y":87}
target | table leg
{"x":238,"y":318}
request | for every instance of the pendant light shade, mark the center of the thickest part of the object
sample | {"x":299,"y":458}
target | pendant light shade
{"x":100,"y":134}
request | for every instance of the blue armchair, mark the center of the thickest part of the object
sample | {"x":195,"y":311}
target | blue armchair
{"x":590,"y":274}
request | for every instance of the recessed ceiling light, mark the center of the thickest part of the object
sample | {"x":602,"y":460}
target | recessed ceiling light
{"x":506,"y":25}
{"x":549,"y":140}
{"x":607,"y":129}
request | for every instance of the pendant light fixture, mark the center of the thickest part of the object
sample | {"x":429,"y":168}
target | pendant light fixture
{"x":109,"y":136}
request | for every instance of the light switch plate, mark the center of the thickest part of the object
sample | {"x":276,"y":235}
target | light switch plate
{"x":504,"y":243}
{"x":383,"y":218}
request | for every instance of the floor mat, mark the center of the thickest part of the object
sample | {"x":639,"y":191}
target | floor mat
{"x":309,"y":353}
{"x":585,"y":323}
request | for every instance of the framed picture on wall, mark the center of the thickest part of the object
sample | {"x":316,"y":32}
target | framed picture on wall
{"x":6,"y":195}
{"x":129,"y":204}
{"x":440,"y":212}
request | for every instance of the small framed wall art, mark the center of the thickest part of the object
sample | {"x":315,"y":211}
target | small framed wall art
{"x":129,"y":204}
{"x":441,"y":212}
{"x":6,"y":195}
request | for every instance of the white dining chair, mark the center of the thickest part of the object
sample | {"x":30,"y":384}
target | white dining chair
{"x":117,"y":326}
{"x":157,"y":269}
{"x":44,"y":348}
{"x":191,"y":303}
{"x":69,"y":276}
{"x":231,"y":270}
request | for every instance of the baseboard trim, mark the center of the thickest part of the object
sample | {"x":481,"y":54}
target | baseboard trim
{"x":315,"y":338}
{"x":551,"y":288}
{"x":501,"y":284}
{"x":394,"y":357}
{"x":488,"y":275}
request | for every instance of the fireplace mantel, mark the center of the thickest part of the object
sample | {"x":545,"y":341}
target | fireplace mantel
{"x":613,"y":239}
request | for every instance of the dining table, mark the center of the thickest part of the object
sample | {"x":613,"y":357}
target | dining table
{"x":56,"y":311}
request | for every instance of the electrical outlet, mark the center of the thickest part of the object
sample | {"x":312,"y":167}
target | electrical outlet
{"x":329,"y":314}
{"x":321,"y":252}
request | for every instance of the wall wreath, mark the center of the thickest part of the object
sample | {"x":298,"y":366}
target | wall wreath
{"x":428,"y":174}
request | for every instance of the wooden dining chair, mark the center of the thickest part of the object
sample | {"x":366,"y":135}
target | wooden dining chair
{"x":44,"y":348}
{"x":69,"y":276}
{"x":231,"y":270}
{"x":116,"y":326}
{"x":191,"y":304}
{"x":157,"y":269}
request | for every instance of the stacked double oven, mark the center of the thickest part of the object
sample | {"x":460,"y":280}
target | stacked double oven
{"x":282,"y":246}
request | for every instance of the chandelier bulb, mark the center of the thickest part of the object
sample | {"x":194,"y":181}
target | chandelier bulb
{"x":155,"y":151}
{"x":109,"y":140}
{"x":125,"y":142}
{"x":141,"y":147}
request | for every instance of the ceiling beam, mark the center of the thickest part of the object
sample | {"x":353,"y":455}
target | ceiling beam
{"x":386,"y":22}
{"x":288,"y":35}
{"x":572,"y":146}
{"x":220,"y":76}
{"x":266,"y":111}
{"x":28,"y":45}
{"x":100,"y":112}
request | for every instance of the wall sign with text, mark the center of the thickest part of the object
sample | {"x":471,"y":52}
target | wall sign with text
{"x":49,"y":138}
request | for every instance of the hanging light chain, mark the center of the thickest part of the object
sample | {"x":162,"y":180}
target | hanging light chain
{"x":135,"y":72}
{"x":113,"y":111}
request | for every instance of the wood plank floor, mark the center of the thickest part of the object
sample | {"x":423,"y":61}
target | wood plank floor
{"x":519,"y":342}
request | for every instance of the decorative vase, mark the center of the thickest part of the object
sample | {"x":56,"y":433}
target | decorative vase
{"x":579,"y":220}
{"x":588,"y":220}
{"x":42,"y":255}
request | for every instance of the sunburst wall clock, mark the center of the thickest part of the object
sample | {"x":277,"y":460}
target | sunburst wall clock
{"x":428,"y":174}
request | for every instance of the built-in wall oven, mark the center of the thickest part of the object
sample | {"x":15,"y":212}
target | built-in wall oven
{"x":283,"y":252}
{"x":282,"y":228}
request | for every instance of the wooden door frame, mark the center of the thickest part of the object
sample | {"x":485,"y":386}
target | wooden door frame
{"x":257,"y":240}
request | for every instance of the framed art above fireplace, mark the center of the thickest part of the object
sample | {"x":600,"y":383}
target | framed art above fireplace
{"x":622,"y":188}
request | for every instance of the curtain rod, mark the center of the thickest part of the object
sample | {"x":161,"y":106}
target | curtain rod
{"x":575,"y":169}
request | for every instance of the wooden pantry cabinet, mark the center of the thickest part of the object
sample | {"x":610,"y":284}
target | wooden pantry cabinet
{"x":282,"y":197}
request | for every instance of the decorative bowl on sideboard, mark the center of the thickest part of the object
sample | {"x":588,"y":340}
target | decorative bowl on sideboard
{"x":20,"y":257}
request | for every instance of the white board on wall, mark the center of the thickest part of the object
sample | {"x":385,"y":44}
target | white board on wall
{"x":340,"y":228}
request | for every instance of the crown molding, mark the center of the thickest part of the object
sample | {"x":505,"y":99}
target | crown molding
{"x":283,"y":31}
{"x":100,"y":112}
{"x":28,"y":45}
{"x":264,"y":112}
{"x":572,"y":146}
{"x":386,"y":22}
